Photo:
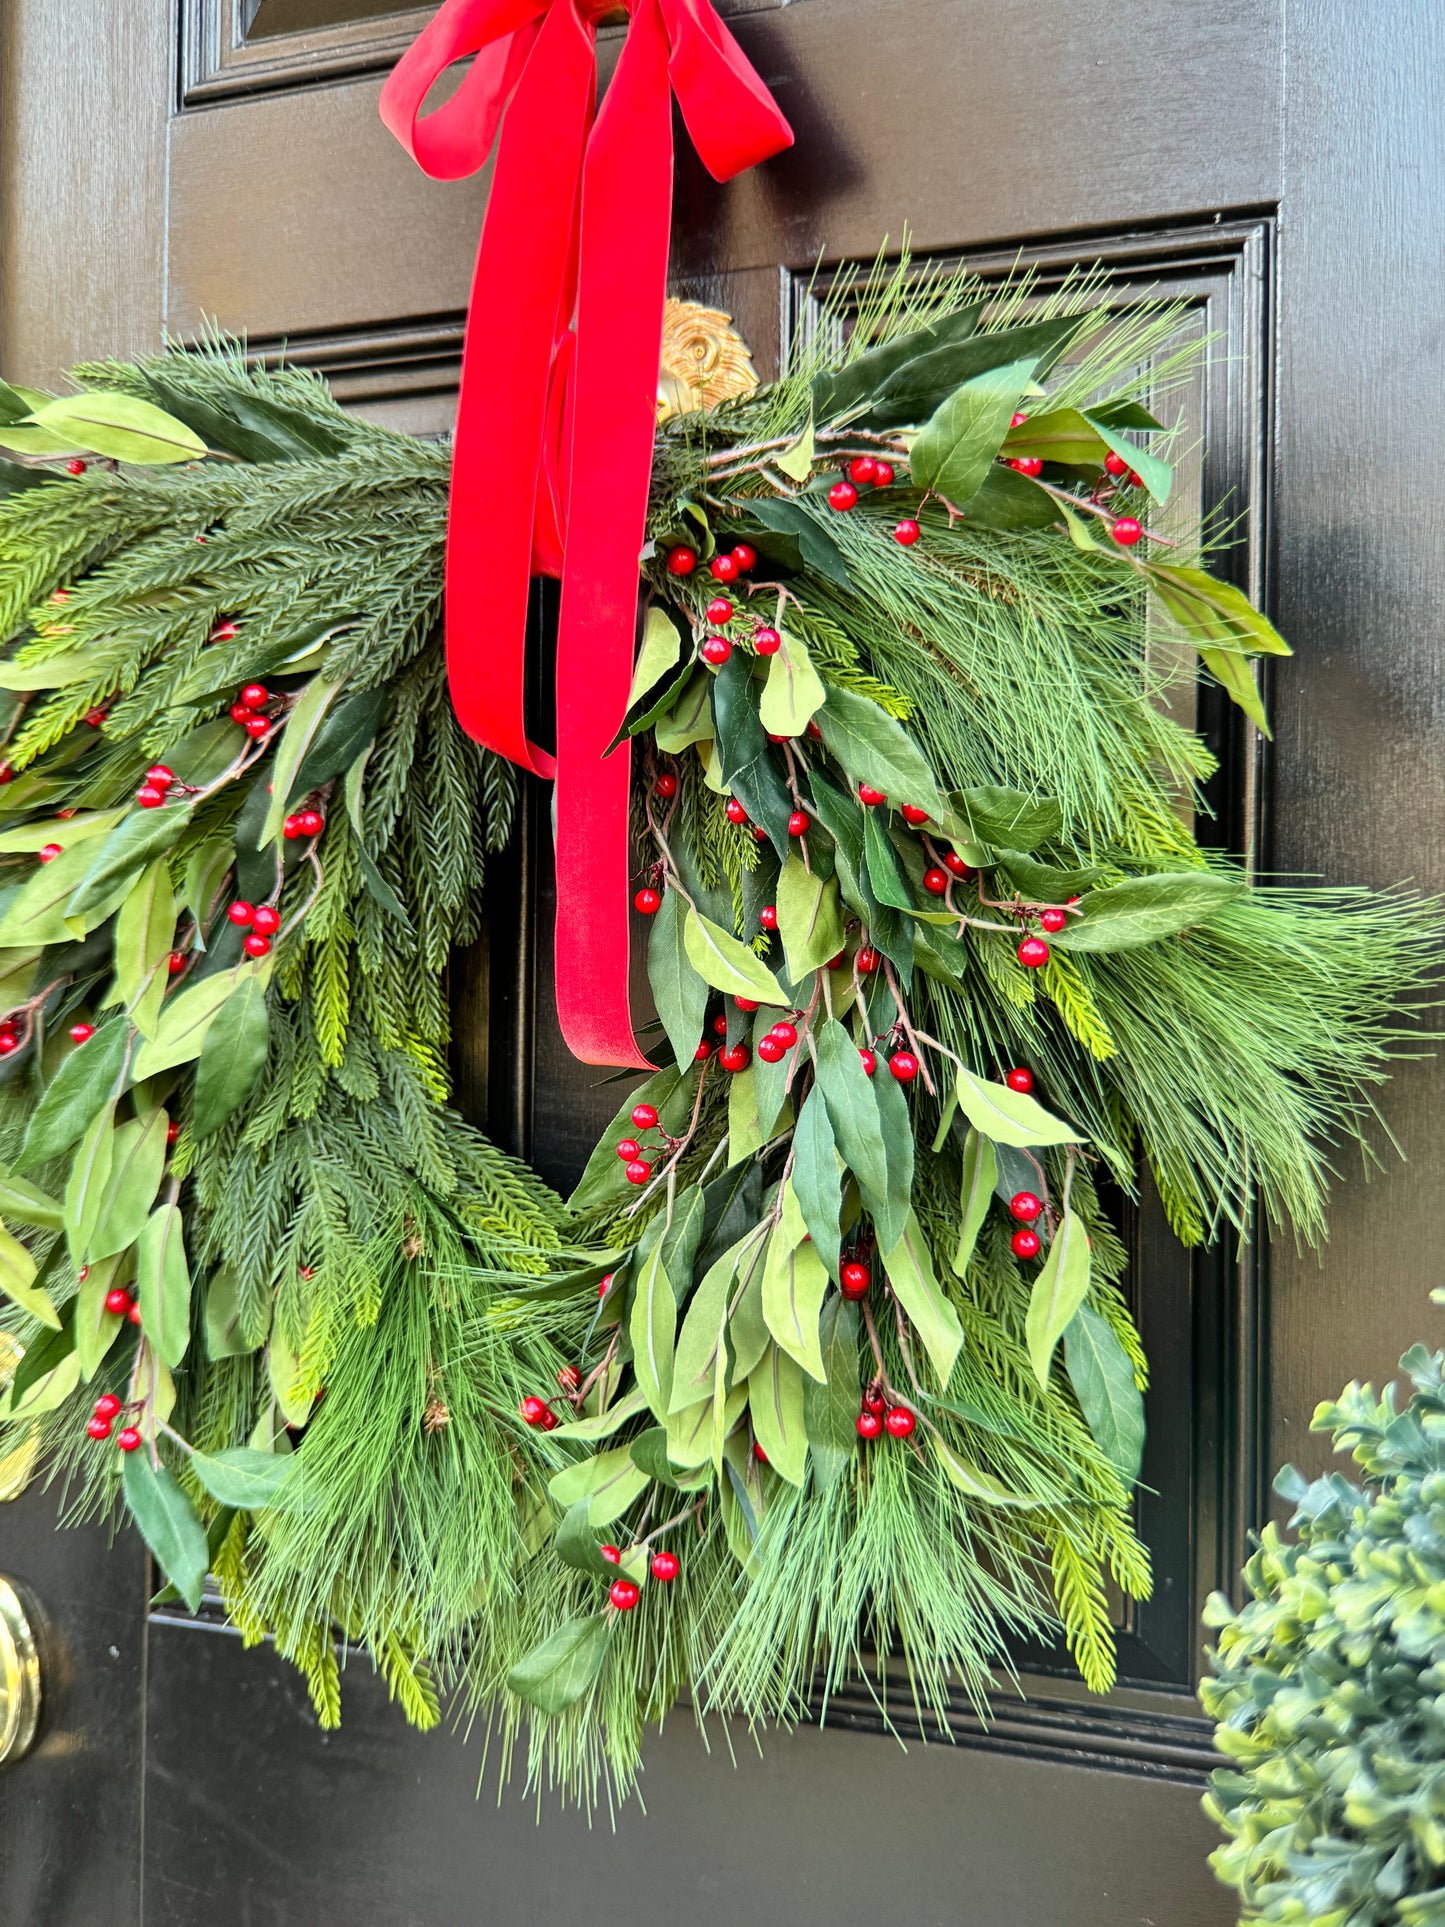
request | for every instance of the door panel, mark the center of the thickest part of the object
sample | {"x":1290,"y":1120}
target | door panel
{"x":243,"y":176}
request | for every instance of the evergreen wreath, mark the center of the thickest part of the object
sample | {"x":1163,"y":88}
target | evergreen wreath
{"x":830,"y":1338}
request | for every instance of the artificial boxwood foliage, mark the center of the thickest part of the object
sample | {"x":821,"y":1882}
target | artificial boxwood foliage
{"x":1329,"y":1685}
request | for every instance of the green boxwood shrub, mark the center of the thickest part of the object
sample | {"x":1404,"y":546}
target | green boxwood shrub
{"x":1329,"y":1687}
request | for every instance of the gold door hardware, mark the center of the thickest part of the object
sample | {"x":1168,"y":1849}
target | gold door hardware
{"x":19,"y":1676}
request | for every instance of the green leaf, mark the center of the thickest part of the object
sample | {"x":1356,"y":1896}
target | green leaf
{"x":95,"y":1327}
{"x":185,"y":1020}
{"x":974,"y":1484}
{"x":347,"y":733}
{"x":120,"y":427}
{"x":775,"y":1400}
{"x":956,"y":447}
{"x":886,"y":880}
{"x":1236,"y":679}
{"x":1124,"y":414}
{"x":653,"y":1324}
{"x":17,"y":1281}
{"x":556,"y":1673}
{"x":818,"y":1179}
{"x":794,"y":691}
{"x":225,"y":1337}
{"x":1059,"y":435}
{"x":35,"y":836}
{"x":86,"y":1185}
{"x":909,"y":1265}
{"x":841,"y":389}
{"x":810,"y":918}
{"x":576,"y":1545}
{"x":144,"y":932}
{"x":1148,"y":909}
{"x":677,"y":990}
{"x":164,"y":1281}
{"x":918,"y":390}
{"x":1102,"y":1375}
{"x":37,"y":915}
{"x":830,"y":1409}
{"x":649,"y":1451}
{"x":748,"y":769}
{"x":255,"y":427}
{"x":794,"y":1282}
{"x":1008,"y":501}
{"x":978,"y":1176}
{"x":820,"y":552}
{"x":857,"y":1129}
{"x":232,"y":1056}
{"x":138,"y":1157}
{"x":1010,"y":1117}
{"x":1153,"y":471}
{"x":661,"y":650}
{"x":875,"y":749}
{"x":86,"y":1082}
{"x":205,"y":870}
{"x":602,"y":1425}
{"x":243,"y":1478}
{"x":143,"y":835}
{"x":168,"y":1524}
{"x":689,"y":719}
{"x":609,"y":1482}
{"x":796,"y":461}
{"x":26,"y":1203}
{"x":1058,"y":1292}
{"x":843,"y":818}
{"x":728,"y":965}
{"x":704,"y":1330}
{"x":1007,"y":818}
{"x":1218,"y":612}
{"x":302,"y":727}
{"x":895,"y":1121}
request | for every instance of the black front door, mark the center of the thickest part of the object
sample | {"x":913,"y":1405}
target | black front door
{"x":1275,"y":163}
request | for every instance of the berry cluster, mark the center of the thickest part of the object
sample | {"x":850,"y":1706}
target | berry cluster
{"x":877,"y":1415}
{"x":1125,"y":529}
{"x":108,"y":1408}
{"x":864,"y":471}
{"x":250,"y":711}
{"x":726,"y":566}
{"x":624,"y":1593}
{"x":260,"y":921}
{"x":639,"y":1170}
{"x":152,"y":792}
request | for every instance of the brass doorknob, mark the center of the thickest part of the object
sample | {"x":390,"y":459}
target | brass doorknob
{"x":19,"y":1676}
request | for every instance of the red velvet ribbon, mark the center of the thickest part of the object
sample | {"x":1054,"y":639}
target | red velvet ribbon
{"x":557,"y":409}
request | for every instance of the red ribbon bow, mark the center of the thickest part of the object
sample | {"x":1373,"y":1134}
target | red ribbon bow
{"x":557,"y":410}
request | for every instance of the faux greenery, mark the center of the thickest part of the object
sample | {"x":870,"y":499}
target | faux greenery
{"x":386,"y":1385}
{"x":1327,"y":1685}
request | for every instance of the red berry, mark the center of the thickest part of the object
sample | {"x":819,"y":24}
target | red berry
{"x":644,"y":1116}
{"x":240,"y":715}
{"x":723,"y":568}
{"x":767,"y":641}
{"x":95,"y":717}
{"x":746,"y":556}
{"x":1033,"y":953}
{"x":935,"y":881}
{"x":75,"y":466}
{"x":734,"y":1057}
{"x":312,"y":822}
{"x":1028,"y":464}
{"x":862,"y":469}
{"x":173,"y":1131}
{"x":719,"y":611}
{"x":550,"y":1422}
{"x":82,"y":1274}
{"x":149,"y":797}
{"x":128,"y":1439}
{"x":291,"y":828}
{"x":771,"y":1051}
{"x":256,"y":946}
{"x":768,"y":916}
{"x":49,"y":853}
{"x":159,"y":777}
{"x":1020,"y":1080}
{"x":134,"y":1314}
{"x":681,"y":561}
{"x":1025,"y":1206}
{"x":611,"y":1555}
{"x":735,"y":811}
{"x":98,"y":1427}
{"x":257,"y":726}
{"x":603,"y":1284}
{"x":255,"y":695}
{"x":638,"y":1171}
{"x":533,"y":1410}
{"x":665,"y":1567}
{"x":703,"y":1052}
{"x":899,"y":1422}
{"x":759,"y":1454}
{"x":842,"y":496}
{"x":1116,"y":464}
{"x":798,"y":823}
{"x":760,"y":835}
{"x":117,"y":1303}
{"x":874,"y":1402}
{"x":716,"y":650}
{"x":628,"y":1149}
{"x":1018,"y":421}
{"x":912,"y":814}
{"x":746,"y":1003}
{"x":223,"y":631}
{"x":623,"y":1594}
{"x":8,"y":1042}
{"x":7,"y":772}
{"x":883,"y":475}
{"x":867,"y":960}
{"x":81,"y":1033}
{"x":869,"y":796}
{"x":176,"y":963}
{"x":1053,"y":920}
{"x":1126,"y":531}
{"x":266,"y":921}
{"x":665,"y":786}
{"x":906,"y":532}
{"x":954,"y":862}
{"x":720,"y":1025}
{"x":647,"y":903}
{"x":1025,"y":1244}
{"x":1135,"y":479}
{"x":107,"y":1405}
{"x":870,"y":1062}
{"x":904,"y":1066}
{"x":869,"y":1425}
{"x":854,"y":1279}
{"x":242,"y":913}
{"x":786,"y":1033}
{"x":837,"y":963}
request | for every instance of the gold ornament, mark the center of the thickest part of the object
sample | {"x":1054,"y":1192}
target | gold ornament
{"x":704,"y":360}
